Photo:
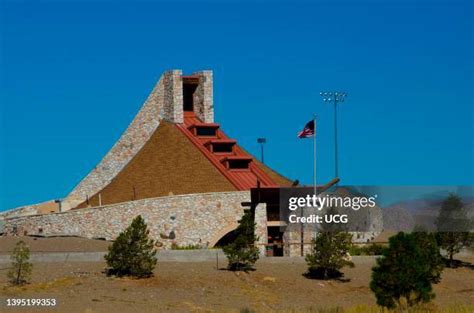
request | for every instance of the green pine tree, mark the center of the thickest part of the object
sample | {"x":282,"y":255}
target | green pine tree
{"x":242,"y":253}
{"x":132,"y":253}
{"x":20,"y":271}
{"x":330,"y":253}
{"x":453,"y":226}
{"x":431,"y":254}
{"x":402,"y":274}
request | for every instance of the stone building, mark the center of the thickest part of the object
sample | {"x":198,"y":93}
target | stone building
{"x":174,"y":166}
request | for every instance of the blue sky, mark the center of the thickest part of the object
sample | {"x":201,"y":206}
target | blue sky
{"x":73,"y":74}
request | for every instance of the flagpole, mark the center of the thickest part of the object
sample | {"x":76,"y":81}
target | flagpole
{"x":305,"y":133}
{"x":314,"y":159}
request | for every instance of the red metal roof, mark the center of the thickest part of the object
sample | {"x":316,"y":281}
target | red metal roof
{"x":242,"y":179}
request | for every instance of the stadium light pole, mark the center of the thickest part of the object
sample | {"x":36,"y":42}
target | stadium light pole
{"x":335,"y":98}
{"x":262,"y":141}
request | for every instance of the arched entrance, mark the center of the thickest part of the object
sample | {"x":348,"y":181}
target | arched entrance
{"x":224,"y":237}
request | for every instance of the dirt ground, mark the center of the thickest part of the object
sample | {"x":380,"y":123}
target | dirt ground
{"x":54,"y":244}
{"x":200,"y":287}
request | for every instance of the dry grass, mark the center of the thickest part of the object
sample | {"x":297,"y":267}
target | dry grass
{"x":61,"y":283}
{"x":425,"y":308}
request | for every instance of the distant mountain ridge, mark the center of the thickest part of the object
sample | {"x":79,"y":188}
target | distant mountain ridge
{"x":405,"y":215}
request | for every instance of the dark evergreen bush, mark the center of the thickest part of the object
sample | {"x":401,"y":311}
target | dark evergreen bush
{"x":329,"y":254}
{"x":431,"y":254}
{"x":403,"y":274}
{"x":242,"y":253}
{"x":133,"y":252}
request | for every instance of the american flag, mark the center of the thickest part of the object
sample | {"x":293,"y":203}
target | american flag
{"x":308,"y":130}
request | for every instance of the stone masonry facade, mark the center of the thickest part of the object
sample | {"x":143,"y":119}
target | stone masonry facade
{"x":203,"y":97}
{"x":173,"y":96}
{"x":194,"y":219}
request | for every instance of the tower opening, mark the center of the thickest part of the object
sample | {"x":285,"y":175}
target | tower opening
{"x":190,"y":84}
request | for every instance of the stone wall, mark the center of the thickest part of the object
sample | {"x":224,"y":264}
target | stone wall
{"x":195,"y":219}
{"x":203,"y":98}
{"x":173,"y":96}
{"x":261,"y":229}
{"x":21,"y":211}
{"x":132,"y":140}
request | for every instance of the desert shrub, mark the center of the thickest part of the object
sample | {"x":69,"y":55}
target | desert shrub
{"x":133,"y":252}
{"x":175,"y":246}
{"x":242,"y":252}
{"x":374,"y":249}
{"x":453,"y":226}
{"x":329,"y":254}
{"x":370,"y":249}
{"x":356,"y":250}
{"x":20,"y":271}
{"x":403,"y":276}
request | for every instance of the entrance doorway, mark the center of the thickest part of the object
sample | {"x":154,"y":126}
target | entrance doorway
{"x":226,"y":239}
{"x":275,"y":241}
